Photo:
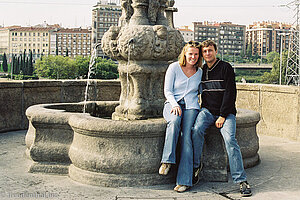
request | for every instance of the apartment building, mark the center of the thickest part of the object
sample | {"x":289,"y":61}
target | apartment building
{"x":70,"y":42}
{"x":264,"y":37}
{"x":49,"y":40}
{"x":16,"y":40}
{"x":229,"y":37}
{"x":104,"y":15}
{"x":187,"y":33}
{"x":4,"y":40}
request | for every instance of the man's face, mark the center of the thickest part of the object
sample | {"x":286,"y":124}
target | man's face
{"x":209,"y":54}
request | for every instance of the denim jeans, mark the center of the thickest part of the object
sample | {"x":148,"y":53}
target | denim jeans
{"x":228,"y":130}
{"x":180,"y":125}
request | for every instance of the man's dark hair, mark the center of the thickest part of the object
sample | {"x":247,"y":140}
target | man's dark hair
{"x":208,"y":43}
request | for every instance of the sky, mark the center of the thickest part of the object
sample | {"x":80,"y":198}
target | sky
{"x":78,"y":13}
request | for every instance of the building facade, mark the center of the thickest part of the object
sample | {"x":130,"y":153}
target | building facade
{"x":229,"y":37}
{"x":51,"y":40}
{"x":187,"y":33}
{"x":104,"y":15}
{"x":17,"y":40}
{"x":265,"y":37}
{"x":70,"y":42}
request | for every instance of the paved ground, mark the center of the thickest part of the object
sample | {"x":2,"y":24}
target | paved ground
{"x":276,"y":177}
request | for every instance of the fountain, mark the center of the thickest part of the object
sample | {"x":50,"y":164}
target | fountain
{"x":120,"y":143}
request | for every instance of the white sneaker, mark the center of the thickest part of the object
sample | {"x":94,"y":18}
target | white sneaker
{"x":164,"y":168}
{"x":181,"y":188}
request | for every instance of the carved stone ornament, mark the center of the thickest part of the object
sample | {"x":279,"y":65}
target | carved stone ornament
{"x":143,"y":44}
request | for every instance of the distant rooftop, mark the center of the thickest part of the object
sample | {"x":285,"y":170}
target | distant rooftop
{"x":207,"y":23}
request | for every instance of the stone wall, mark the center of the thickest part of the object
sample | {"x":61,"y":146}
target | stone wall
{"x":17,"y":96}
{"x":279,"y":106}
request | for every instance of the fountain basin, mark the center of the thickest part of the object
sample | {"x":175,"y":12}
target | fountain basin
{"x":116,"y":153}
{"x":94,"y":149}
{"x":49,"y":135}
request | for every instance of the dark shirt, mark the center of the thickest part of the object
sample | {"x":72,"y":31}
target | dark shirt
{"x":219,"y":89}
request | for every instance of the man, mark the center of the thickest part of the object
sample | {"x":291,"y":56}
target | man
{"x":218,"y":108}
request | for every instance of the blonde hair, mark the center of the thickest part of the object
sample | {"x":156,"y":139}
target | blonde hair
{"x":182,"y":58}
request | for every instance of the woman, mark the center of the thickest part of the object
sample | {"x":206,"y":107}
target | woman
{"x":182,"y":82}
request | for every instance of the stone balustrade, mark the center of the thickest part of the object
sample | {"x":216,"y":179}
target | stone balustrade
{"x":278,"y":106}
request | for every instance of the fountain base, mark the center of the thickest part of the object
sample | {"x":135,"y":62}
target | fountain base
{"x":94,"y":149}
{"x":117,"y":180}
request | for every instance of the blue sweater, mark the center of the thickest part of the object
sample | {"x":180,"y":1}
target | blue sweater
{"x":178,"y":86}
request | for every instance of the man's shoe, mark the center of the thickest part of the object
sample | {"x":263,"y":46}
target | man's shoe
{"x":181,"y":188}
{"x":164,"y":168}
{"x":196,"y":174}
{"x":245,"y":189}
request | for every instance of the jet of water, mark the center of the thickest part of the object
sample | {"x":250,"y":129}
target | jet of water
{"x":91,"y":70}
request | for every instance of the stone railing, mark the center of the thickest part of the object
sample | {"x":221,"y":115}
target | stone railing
{"x":278,"y":106}
{"x":17,"y":96}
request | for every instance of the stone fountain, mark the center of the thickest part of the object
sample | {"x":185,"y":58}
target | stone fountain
{"x":120,"y":143}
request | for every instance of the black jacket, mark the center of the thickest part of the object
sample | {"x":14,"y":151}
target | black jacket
{"x":219,"y":89}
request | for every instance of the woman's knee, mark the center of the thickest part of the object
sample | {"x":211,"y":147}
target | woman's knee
{"x":174,"y":121}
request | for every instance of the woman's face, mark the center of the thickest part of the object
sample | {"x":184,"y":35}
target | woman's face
{"x":192,"y":55}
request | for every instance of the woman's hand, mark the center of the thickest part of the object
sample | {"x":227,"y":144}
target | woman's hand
{"x":176,"y":110}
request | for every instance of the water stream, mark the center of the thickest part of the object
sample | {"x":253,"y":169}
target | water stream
{"x":91,"y":70}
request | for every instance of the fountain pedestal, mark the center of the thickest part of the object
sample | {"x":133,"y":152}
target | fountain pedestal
{"x":144,"y":97}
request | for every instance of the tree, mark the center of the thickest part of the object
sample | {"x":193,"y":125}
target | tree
{"x":271,"y":56}
{"x":249,"y":50}
{"x":67,"y":52}
{"x":4,"y":63}
{"x":17,"y":65}
{"x":56,"y":67}
{"x":24,"y":64}
{"x":273,"y":76}
{"x":30,"y":64}
{"x":83,"y":66}
{"x":105,"y":69}
{"x":60,"y":67}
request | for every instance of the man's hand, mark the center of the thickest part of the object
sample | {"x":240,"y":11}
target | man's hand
{"x":176,"y":110}
{"x":220,"y":121}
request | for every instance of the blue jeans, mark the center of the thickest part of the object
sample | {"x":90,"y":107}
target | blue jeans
{"x":180,"y":125}
{"x":203,"y":121}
